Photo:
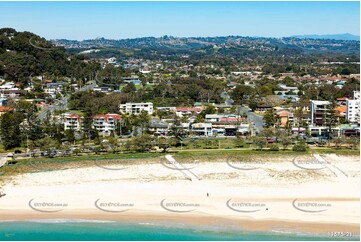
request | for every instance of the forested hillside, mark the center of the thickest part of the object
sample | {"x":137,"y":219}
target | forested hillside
{"x":24,"y":55}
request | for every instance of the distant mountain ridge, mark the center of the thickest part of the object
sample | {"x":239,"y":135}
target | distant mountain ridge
{"x":220,"y":44}
{"x":346,"y":36}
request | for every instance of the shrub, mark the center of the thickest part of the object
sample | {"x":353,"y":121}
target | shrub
{"x":273,"y":147}
{"x":239,"y":142}
{"x":299,"y":147}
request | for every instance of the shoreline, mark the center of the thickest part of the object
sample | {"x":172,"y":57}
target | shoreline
{"x":190,"y":220}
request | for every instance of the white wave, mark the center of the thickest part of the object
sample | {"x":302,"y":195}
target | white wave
{"x":61,"y":220}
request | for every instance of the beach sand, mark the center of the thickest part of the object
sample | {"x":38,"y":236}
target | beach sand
{"x":278,"y":193}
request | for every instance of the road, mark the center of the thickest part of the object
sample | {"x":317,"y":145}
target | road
{"x":228,"y":100}
{"x":256,"y":121}
{"x":63,"y":103}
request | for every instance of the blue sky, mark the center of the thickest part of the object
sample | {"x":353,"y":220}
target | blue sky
{"x":117,"y":20}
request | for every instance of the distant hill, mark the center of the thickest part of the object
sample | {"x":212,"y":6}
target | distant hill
{"x":24,"y":55}
{"x":346,"y":36}
{"x":225,"y":45}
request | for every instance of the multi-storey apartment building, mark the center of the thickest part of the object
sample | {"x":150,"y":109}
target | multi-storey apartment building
{"x":136,"y":108}
{"x":320,"y":111}
{"x":353,"y":108}
{"x":104,"y":123}
{"x":72,"y":122}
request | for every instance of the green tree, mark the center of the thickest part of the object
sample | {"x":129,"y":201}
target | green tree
{"x":69,"y":135}
{"x":113,"y":144}
{"x":269,"y":118}
{"x":253,"y":104}
{"x":285,"y":141}
{"x":259,"y":142}
{"x":345,"y":71}
{"x":241,"y":94}
{"x":142,"y":121}
{"x":268,"y":132}
{"x":177,"y":131}
{"x":47,"y":144}
{"x":129,"y":88}
{"x":142,"y":143}
{"x":165,"y":143}
{"x":10,"y":129}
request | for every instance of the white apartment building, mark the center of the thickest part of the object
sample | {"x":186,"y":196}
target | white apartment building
{"x":353,"y":108}
{"x":356,"y":95}
{"x":106,"y":123}
{"x":136,"y":108}
{"x":72,"y":122}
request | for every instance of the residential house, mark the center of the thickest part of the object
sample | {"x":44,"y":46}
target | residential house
{"x":263,"y":107}
{"x":103,"y":89}
{"x":158,"y":127}
{"x":181,"y":111}
{"x":4,"y":110}
{"x":286,"y":118}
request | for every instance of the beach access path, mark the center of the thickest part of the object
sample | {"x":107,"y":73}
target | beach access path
{"x":334,"y":169}
{"x":186,"y":172}
{"x":3,"y":161}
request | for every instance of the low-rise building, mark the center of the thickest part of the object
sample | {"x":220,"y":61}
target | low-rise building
{"x":103,"y":89}
{"x":158,"y":127}
{"x":180,"y":111}
{"x":136,"y":108}
{"x":286,"y":118}
{"x":202,"y":129}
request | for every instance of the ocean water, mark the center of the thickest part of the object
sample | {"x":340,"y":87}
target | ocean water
{"x":41,"y":230}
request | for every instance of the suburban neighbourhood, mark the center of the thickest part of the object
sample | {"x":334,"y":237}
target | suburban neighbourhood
{"x":134,"y":104}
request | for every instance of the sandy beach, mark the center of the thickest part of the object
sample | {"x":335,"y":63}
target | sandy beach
{"x":279,"y":193}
